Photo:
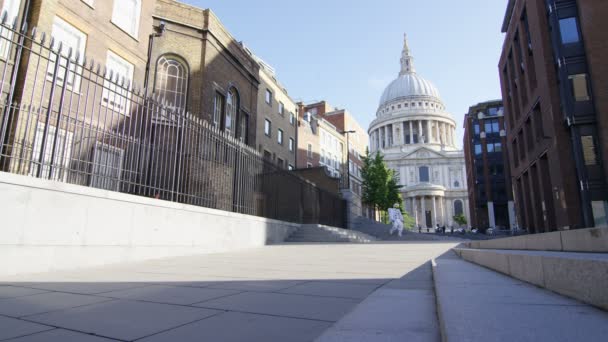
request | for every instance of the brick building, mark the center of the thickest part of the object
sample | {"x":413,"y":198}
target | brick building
{"x":555,"y":86}
{"x":277,"y":119}
{"x":357,"y":142}
{"x":197,"y":65}
{"x":488,"y":174}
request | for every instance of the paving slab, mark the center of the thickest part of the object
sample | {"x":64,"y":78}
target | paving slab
{"x":123,"y":319}
{"x":260,"y":274}
{"x":45,"y":302}
{"x":295,"y":306}
{"x":12,"y":327}
{"x":170,"y":294}
{"x":15,"y":291}
{"x":331,"y":289}
{"x":256,"y":285}
{"x":237,"y":327}
{"x":79,"y":286}
{"x":508,"y":310}
{"x":61,"y":335}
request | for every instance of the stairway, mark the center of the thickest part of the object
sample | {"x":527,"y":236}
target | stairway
{"x":475,"y":303}
{"x":572,"y":263}
{"x":320,"y":233}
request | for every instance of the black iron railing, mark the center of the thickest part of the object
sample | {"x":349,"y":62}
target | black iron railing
{"x":67,"y":119}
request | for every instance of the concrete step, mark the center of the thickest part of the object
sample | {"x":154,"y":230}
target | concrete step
{"x":591,"y":240}
{"x":582,"y":276}
{"x":478,"y":304}
{"x":320,"y":233}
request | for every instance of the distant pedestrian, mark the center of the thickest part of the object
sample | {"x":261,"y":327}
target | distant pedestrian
{"x":419,"y":229}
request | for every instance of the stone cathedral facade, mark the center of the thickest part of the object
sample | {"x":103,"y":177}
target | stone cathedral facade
{"x":416,"y":135}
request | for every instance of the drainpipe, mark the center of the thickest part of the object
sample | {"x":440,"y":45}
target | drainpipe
{"x":160,"y":30}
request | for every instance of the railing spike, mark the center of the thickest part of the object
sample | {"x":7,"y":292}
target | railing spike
{"x":24,"y":28}
{"x":4,"y":17}
{"x":33,"y":33}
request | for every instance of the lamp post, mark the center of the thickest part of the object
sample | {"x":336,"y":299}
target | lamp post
{"x":348,"y":157}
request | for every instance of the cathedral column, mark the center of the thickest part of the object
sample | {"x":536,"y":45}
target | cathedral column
{"x":444,"y":133}
{"x":414,"y":211}
{"x":434,"y":212}
{"x":411,"y":133}
{"x":428,"y":130}
{"x":438,"y":130}
{"x":451,"y":133}
{"x":423,"y":207}
{"x":419,"y":129}
{"x":443,"y":211}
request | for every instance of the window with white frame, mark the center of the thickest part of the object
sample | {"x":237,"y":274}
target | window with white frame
{"x":11,"y":8}
{"x":280,"y":136}
{"x":116,"y":95}
{"x":218,"y":108}
{"x":309,"y":151}
{"x":60,"y":160}
{"x":70,"y":38}
{"x":267,"y":127}
{"x":292,"y":144}
{"x":107,"y":167}
{"x":268,"y":96}
{"x":292,"y":119}
{"x":281,"y":109}
{"x":171,"y":82}
{"x":126,"y":14}
{"x":232,"y":106}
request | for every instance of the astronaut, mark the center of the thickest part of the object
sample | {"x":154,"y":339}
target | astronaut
{"x":396,"y":218}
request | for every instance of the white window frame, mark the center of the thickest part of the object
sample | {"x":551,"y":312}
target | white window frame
{"x":65,"y":140}
{"x":118,"y":8}
{"x":280,"y":136}
{"x":268,"y":98}
{"x":11,"y":7}
{"x":99,"y":177}
{"x":309,"y":153}
{"x":292,"y":144}
{"x":218,"y":108}
{"x":60,"y":27}
{"x":115,"y":96}
{"x":267,"y":128}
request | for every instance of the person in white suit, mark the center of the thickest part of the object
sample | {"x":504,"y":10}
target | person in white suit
{"x":396,"y":218}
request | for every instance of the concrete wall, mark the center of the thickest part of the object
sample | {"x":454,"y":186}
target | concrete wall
{"x":591,"y":240}
{"x":46,"y":226}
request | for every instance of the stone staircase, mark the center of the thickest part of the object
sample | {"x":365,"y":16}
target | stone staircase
{"x":572,"y":263}
{"x":320,"y":233}
{"x":370,"y":227}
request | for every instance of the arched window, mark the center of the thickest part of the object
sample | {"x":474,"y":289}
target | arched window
{"x":232,"y":107}
{"x":458,"y":208}
{"x":172,"y":82}
{"x":423,"y":173}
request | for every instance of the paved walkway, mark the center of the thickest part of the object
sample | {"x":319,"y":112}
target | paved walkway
{"x":477,"y":304}
{"x":279,"y":293}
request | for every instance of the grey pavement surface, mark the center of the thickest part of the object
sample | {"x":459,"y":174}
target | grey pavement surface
{"x":290,"y":292}
{"x":477,"y":304}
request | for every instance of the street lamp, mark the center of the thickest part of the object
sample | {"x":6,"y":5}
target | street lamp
{"x":347,"y":157}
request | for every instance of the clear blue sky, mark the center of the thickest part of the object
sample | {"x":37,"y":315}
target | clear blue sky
{"x":346,"y":52}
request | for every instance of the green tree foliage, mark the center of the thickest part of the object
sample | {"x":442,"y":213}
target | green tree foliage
{"x":380,"y":187}
{"x":460,"y":219}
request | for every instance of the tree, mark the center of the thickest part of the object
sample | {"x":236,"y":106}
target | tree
{"x":380,"y":187}
{"x":460,"y":219}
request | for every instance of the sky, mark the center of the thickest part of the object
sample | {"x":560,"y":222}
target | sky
{"x":347,"y":51}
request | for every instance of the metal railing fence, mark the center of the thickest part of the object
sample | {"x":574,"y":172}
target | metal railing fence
{"x":67,"y":119}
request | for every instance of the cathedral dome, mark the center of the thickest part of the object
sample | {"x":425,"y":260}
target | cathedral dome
{"x":409,"y":85}
{"x":409,"y":90}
